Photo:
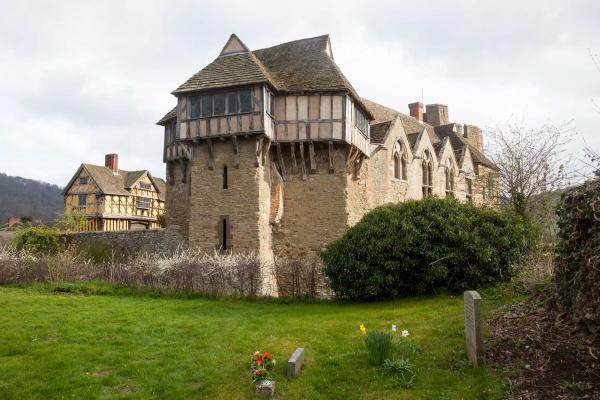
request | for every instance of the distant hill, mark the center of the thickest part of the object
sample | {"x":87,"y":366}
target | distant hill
{"x":25,"y":197}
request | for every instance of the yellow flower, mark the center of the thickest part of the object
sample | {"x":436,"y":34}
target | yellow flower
{"x":362,"y":328}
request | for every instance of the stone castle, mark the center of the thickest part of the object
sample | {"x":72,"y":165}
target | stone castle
{"x":274,"y":151}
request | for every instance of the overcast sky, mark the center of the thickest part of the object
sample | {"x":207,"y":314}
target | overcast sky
{"x":81,"y":79}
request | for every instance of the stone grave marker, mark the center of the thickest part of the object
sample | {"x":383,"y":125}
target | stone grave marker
{"x":295,"y":363}
{"x":265,"y":388}
{"x":474,"y":327}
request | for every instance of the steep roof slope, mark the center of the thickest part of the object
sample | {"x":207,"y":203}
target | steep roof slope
{"x":304,"y":65}
{"x":109,"y":183}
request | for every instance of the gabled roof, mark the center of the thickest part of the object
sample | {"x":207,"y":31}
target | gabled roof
{"x":109,"y":183}
{"x":304,"y":65}
{"x":226,"y":71}
{"x":413,"y":127}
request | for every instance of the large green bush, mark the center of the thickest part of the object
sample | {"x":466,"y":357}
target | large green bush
{"x":418,"y":247}
{"x":38,"y":239}
{"x":577,"y":268}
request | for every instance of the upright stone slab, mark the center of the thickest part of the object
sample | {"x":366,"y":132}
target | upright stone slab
{"x":474,"y":327}
{"x":295,"y":363}
{"x":265,"y":388}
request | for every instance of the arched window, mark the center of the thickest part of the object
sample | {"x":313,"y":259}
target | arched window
{"x":427,"y":172}
{"x":400,"y":162}
{"x":449,"y":173}
{"x":397,"y":166}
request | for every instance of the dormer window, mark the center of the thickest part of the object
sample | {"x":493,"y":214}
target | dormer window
{"x":83,"y":180}
{"x":145,"y":186}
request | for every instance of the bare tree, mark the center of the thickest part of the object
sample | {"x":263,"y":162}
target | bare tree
{"x":596,"y":60}
{"x":530,"y":161}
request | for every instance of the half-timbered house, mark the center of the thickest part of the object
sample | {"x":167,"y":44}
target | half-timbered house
{"x":274,"y":151}
{"x":106,"y":198}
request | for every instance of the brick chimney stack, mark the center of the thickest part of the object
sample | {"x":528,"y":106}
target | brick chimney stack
{"x":416,"y":110}
{"x":437,"y":114}
{"x":112,"y":161}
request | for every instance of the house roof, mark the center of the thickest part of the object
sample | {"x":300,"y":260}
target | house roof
{"x":109,"y":183}
{"x":379,"y":132}
{"x":304,"y":65}
{"x":412,"y":128}
{"x":170,"y":115}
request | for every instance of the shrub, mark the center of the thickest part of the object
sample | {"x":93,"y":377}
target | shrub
{"x":379,"y":347}
{"x":577,"y":267}
{"x":39,"y":239}
{"x":418,"y":247}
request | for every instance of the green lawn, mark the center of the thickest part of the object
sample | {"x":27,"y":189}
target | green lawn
{"x":74,"y":346}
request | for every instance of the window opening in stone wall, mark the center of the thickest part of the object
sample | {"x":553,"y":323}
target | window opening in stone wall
{"x":224,"y":233}
{"x":469,"y":183}
{"x":397,"y":166}
{"x":427,"y":172}
{"x":225,"y":178}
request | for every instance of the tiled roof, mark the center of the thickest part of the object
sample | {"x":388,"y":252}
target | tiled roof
{"x":227,"y":70}
{"x":303,"y":65}
{"x":379,"y":131}
{"x":109,"y":183}
{"x":412,"y":128}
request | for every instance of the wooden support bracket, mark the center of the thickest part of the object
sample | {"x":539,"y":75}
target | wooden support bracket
{"x":236,"y":152}
{"x":281,"y":163}
{"x":184,"y":167}
{"x":311,"y":156}
{"x":211,"y":154}
{"x":293,"y":153}
{"x":302,"y":160}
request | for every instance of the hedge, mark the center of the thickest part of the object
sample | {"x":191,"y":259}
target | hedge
{"x":420,"y":247}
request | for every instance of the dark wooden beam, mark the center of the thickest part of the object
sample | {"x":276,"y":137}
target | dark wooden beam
{"x":281,"y":163}
{"x":311,"y":156}
{"x":302,"y":160}
{"x":293,"y":152}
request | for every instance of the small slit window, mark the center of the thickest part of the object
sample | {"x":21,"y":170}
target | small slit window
{"x":225,"y":178}
{"x":224,"y":230}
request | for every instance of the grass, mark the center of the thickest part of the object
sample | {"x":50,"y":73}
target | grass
{"x":95,"y":341}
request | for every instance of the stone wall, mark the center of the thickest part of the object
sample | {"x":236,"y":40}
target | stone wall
{"x":162,"y":241}
{"x":314,"y":208}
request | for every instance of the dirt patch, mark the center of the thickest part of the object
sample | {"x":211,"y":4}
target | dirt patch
{"x":550,"y":360}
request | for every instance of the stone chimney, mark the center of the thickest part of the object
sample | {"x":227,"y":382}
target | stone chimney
{"x":416,"y":110}
{"x":474,"y":136}
{"x":112,"y":161}
{"x":437,"y":114}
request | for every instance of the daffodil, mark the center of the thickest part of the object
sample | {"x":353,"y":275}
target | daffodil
{"x":362,"y":328}
{"x":394,"y":328}
{"x":405,"y":333}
